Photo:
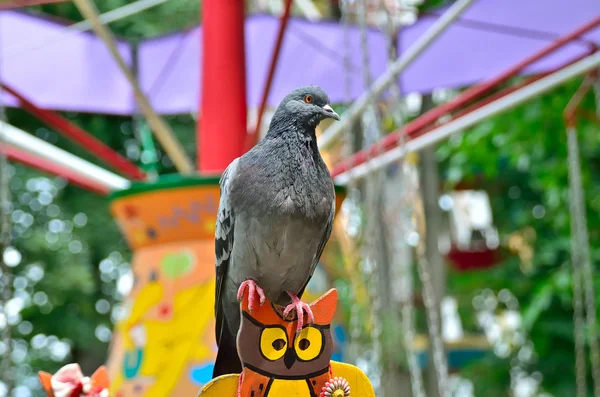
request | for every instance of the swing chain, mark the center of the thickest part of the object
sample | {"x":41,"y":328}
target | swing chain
{"x":5,"y":241}
{"x":408,"y":174}
{"x":584,"y":300}
{"x":576,"y":259}
{"x":371,"y":132}
{"x":429,"y":300}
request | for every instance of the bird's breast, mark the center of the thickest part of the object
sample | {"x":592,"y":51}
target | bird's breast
{"x":277,"y":251}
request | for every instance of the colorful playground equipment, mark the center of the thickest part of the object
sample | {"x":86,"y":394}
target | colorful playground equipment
{"x":165,"y":346}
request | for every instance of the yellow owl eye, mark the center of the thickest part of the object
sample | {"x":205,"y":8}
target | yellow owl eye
{"x":309,"y":344}
{"x":273,"y":343}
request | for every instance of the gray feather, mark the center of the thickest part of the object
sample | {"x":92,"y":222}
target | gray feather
{"x":223,"y":241}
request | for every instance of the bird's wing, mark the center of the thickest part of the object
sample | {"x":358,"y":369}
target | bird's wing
{"x":223,"y":241}
{"x":321,"y":246}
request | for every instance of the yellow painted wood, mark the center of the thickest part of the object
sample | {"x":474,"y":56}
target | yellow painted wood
{"x":226,"y":385}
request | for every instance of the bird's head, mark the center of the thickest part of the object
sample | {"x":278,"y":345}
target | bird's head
{"x":307,"y":106}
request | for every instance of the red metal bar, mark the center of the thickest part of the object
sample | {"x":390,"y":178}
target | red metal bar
{"x":222,"y":128}
{"x":25,"y":3}
{"x":570,"y":111}
{"x":340,"y":167}
{"x":480,"y":89}
{"x":252,"y":137}
{"x":51,"y":168}
{"x":80,"y":136}
{"x":414,"y":127}
{"x":502,"y":93}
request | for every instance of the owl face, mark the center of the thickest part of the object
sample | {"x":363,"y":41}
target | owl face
{"x":268,"y":344}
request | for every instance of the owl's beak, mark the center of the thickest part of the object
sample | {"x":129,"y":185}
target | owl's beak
{"x":289,"y":358}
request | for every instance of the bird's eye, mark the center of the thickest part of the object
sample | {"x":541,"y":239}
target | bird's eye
{"x":308,"y":99}
{"x":309,"y":344}
{"x":273,"y":343}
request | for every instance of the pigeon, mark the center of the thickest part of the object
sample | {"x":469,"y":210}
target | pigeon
{"x":275,"y":214}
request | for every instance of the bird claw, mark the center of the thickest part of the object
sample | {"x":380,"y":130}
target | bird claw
{"x":254,"y":290}
{"x":301,"y":308}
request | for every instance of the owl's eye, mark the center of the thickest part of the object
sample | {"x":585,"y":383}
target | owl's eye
{"x":278,"y":344}
{"x":273,"y":343}
{"x":309,"y":344}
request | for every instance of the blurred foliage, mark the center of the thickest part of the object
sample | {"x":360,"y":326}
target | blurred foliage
{"x":161,"y":19}
{"x":66,"y":286}
{"x":73,"y":257}
{"x":520,"y":158}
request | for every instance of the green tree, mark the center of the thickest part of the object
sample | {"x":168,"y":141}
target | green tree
{"x":73,"y":261}
{"x":521,"y":157}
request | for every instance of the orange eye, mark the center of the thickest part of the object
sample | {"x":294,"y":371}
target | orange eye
{"x":308,"y":99}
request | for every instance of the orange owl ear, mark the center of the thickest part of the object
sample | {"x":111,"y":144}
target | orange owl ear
{"x":324,"y":307}
{"x":100,"y":378}
{"x":46,"y":381}
{"x":264,"y":314}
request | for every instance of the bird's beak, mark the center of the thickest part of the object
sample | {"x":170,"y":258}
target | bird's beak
{"x":329,"y":112}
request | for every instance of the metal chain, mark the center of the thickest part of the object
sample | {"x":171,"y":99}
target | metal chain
{"x":5,"y":241}
{"x":580,"y":245}
{"x":353,"y":192}
{"x":406,"y":304}
{"x":433,"y":320}
{"x":597,"y":92}
{"x":371,"y":129}
{"x":577,"y":259}
{"x":588,"y":276}
{"x":431,"y":308}
{"x":372,"y":122}
{"x":395,"y":95}
{"x":348,"y":143}
{"x":399,"y":231}
{"x":372,"y":126}
{"x":590,"y":297}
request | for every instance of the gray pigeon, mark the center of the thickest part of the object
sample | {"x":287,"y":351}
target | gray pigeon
{"x":275,"y":214}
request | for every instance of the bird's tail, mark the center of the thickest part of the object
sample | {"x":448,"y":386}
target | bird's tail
{"x":228,"y":361}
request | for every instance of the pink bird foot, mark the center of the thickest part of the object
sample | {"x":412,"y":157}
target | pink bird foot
{"x":301,"y":308}
{"x":254,"y":290}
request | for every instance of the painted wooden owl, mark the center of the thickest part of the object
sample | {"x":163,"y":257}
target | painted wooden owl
{"x":276,"y":360}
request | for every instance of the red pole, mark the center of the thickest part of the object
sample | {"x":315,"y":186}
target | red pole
{"x":30,"y":160}
{"x":80,"y":136}
{"x":417,"y":125}
{"x":252,"y":136}
{"x":25,"y":3}
{"x":222,"y":128}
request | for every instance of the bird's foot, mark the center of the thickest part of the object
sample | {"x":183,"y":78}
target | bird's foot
{"x":301,"y":308}
{"x":254,"y":290}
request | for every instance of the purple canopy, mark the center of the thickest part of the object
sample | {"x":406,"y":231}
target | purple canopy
{"x":313,"y":53}
{"x":76,"y":73}
{"x":491,"y":36}
{"x":67,"y":71}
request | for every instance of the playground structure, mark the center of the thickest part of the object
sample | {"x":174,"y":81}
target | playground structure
{"x":168,"y":221}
